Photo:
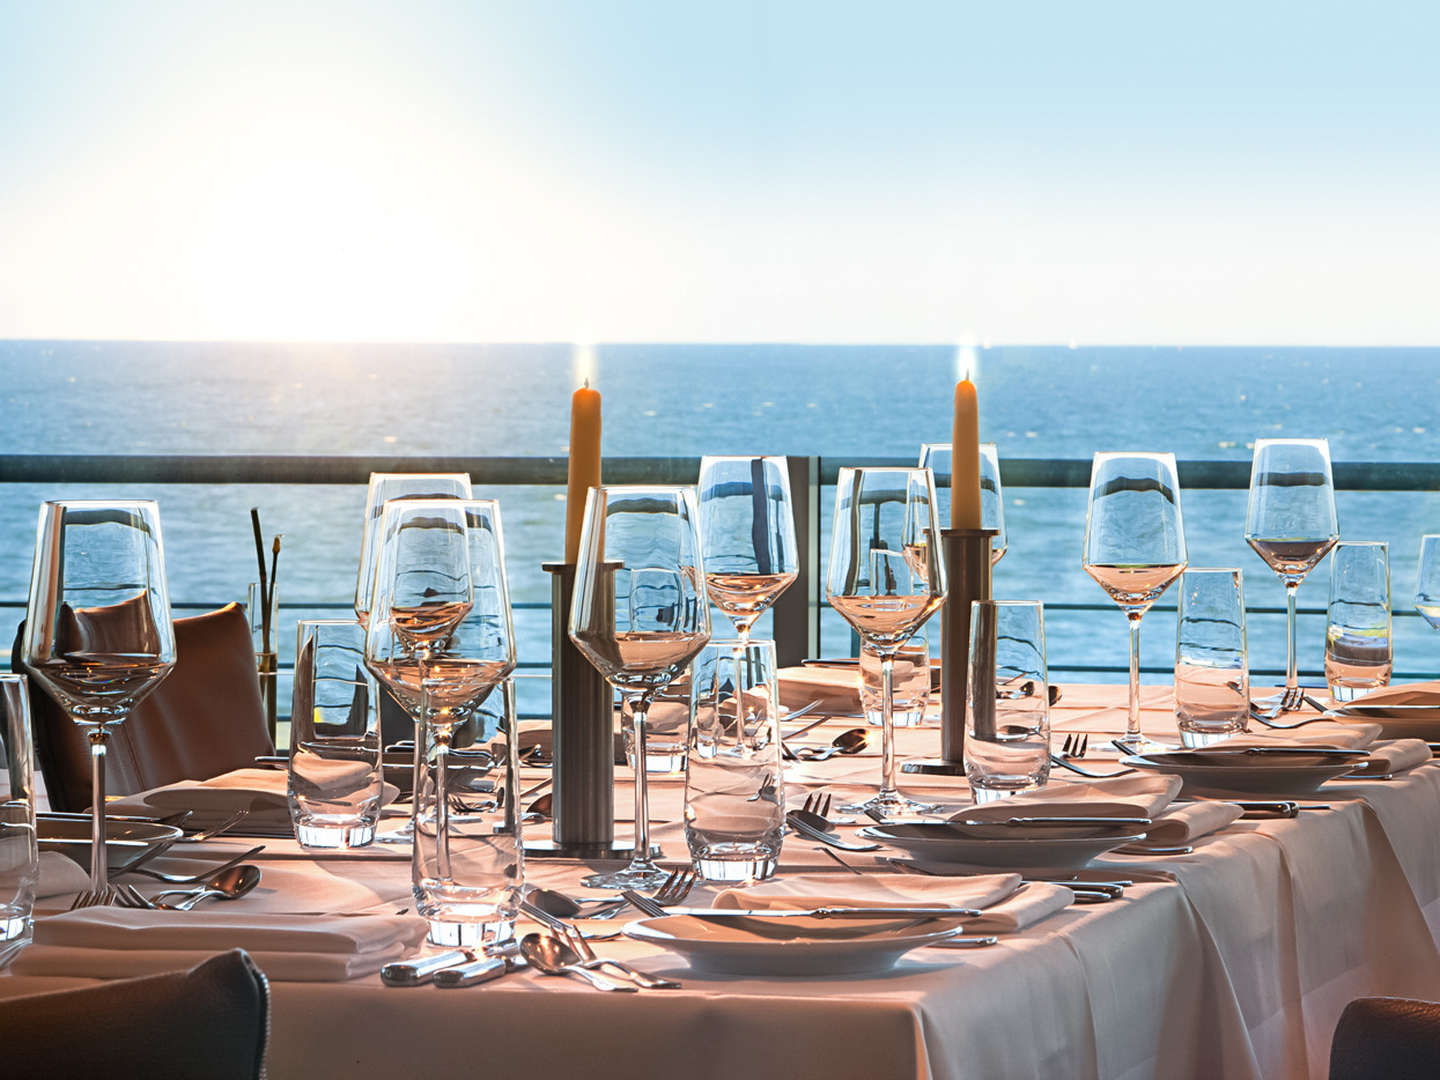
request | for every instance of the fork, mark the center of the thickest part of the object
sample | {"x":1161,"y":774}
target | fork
{"x":1076,"y":744}
{"x":676,"y":887}
{"x":1267,"y":720}
{"x":109,"y":896}
{"x":1289,"y":700}
{"x":817,"y":803}
{"x":1056,"y":759}
{"x":588,"y":959}
{"x":201,"y":835}
{"x":192,"y":879}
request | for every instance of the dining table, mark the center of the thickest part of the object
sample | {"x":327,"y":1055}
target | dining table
{"x":1234,"y":959}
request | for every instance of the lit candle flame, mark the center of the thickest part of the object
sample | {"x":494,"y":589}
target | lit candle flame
{"x":582,"y":364}
{"x":967,"y":362}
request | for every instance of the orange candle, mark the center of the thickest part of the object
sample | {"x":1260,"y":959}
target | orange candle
{"x":965,"y":459}
{"x":584,"y":463}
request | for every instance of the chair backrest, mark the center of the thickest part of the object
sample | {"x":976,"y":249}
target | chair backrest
{"x":211,"y":1021}
{"x":204,"y":719}
{"x":1387,"y":1039}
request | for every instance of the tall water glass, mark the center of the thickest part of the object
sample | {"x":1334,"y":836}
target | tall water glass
{"x":335,"y":777}
{"x":98,"y":633}
{"x":734,"y":782}
{"x":1290,"y":522}
{"x":937,"y":456}
{"x":19,"y":855}
{"x":1007,"y":705}
{"x":1359,"y":645}
{"x":469,"y":862}
{"x":747,"y":531}
{"x":1427,"y":583}
{"x":909,"y":680}
{"x":1212,"y":670}
{"x":1134,"y":545}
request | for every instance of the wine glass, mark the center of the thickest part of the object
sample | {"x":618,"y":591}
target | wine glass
{"x":640,"y":613}
{"x":383,"y":488}
{"x":936,"y":458}
{"x":423,"y":590}
{"x":1134,"y":545}
{"x":886,"y":578}
{"x":1290,"y":522}
{"x":1427,"y":584}
{"x":747,"y":531}
{"x":98,"y":635}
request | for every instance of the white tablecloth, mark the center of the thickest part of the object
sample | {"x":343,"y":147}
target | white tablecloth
{"x":1238,"y":967}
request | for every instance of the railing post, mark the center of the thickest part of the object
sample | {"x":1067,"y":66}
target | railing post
{"x":796,"y":614}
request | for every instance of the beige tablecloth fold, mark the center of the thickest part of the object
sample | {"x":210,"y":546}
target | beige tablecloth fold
{"x":1188,"y":822}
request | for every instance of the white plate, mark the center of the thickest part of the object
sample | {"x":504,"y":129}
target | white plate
{"x":1287,"y":772}
{"x":1061,"y":847}
{"x":1396,"y":721}
{"x":725,"y":948}
{"x":126,"y":839}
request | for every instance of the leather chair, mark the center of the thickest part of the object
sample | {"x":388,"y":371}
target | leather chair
{"x":212,"y":1021}
{"x":1386,"y":1039}
{"x":204,"y":719}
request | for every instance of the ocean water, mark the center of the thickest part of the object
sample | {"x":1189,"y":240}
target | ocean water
{"x":837,"y":401}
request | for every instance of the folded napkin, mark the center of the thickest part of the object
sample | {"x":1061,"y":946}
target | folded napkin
{"x":60,"y":875}
{"x":1396,"y":756}
{"x":1417,"y":693}
{"x":114,"y":942}
{"x":837,"y":689}
{"x":1190,"y":821}
{"x":1345,"y":736}
{"x":1008,"y":905}
{"x":261,"y":791}
{"x":1143,"y":796}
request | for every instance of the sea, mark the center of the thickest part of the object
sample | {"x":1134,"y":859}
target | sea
{"x":838,"y":401}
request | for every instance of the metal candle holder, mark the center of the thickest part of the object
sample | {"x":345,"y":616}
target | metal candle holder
{"x":582,"y":742}
{"x":967,"y":569}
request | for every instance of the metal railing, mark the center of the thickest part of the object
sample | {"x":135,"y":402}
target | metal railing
{"x":799,"y":611}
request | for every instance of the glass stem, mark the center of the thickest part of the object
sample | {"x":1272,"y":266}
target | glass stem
{"x":642,"y":790}
{"x":1132,"y":720}
{"x":442,"y":802}
{"x":887,"y":726}
{"x":1292,"y":675}
{"x":99,"y":865}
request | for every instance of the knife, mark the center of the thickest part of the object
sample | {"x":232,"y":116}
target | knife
{"x":1143,"y":822}
{"x":827,"y":913}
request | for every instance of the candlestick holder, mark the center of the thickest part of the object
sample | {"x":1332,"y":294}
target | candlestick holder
{"x":582,"y":718}
{"x":967,"y":570}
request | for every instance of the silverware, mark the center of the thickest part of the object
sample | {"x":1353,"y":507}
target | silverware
{"x":1288,"y":701}
{"x":568,"y":907}
{"x":796,"y":820}
{"x":963,"y":942}
{"x":421,"y":971}
{"x":849,"y":741}
{"x":1146,"y":745}
{"x":191,"y":879}
{"x":544,"y":918}
{"x":1056,"y":759}
{"x":1143,"y":849}
{"x":1076,"y":745}
{"x":545,"y":954}
{"x":482,"y":970}
{"x":109,"y":896}
{"x":230,"y":884}
{"x":201,"y":835}
{"x":899,"y":911}
{"x":585,"y":957}
{"x":676,"y":887}
{"x":1056,"y":820}
{"x":828,"y":851}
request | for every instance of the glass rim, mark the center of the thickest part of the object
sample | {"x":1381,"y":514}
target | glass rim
{"x":740,"y":457}
{"x":1361,"y":543}
{"x":861,"y":470}
{"x":1139,"y":455}
{"x":1322,"y":441}
{"x":1212,"y":570}
{"x":730,"y":645}
{"x":450,"y":475}
{"x":89,"y":504}
{"x":649,"y":489}
{"x":1008,"y":603}
{"x":948,"y":446}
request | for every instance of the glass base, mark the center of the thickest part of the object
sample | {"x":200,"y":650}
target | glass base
{"x":735,"y":864}
{"x":457,"y":934}
{"x":1193,"y":739}
{"x":661,"y":763}
{"x":981,"y":795}
{"x":892,"y":806}
{"x":1343,"y":693}
{"x":901,"y":718}
{"x":346,"y":835}
{"x":640,"y":874}
{"x":14,"y":927}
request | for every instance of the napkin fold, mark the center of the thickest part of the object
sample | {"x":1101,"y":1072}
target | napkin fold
{"x":1008,"y":905}
{"x":1188,"y":822}
{"x":1144,"y":796}
{"x":114,"y":942}
{"x":1417,"y":693}
{"x":837,"y":689}
{"x":1389,"y":758}
{"x":1355,"y":736}
{"x":60,"y":875}
{"x":261,"y":791}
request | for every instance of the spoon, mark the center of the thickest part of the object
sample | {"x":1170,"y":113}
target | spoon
{"x":568,"y":955}
{"x":568,"y":907}
{"x":547,"y":956}
{"x":229,"y":884}
{"x":851,"y":741}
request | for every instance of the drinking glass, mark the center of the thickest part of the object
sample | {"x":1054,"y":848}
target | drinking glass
{"x":1427,"y":583}
{"x":1290,"y":522}
{"x":639,"y":612}
{"x":98,"y":635}
{"x":1134,"y":545}
{"x":734,"y":782}
{"x":1359,"y":646}
{"x":667,"y":728}
{"x":909,"y":681}
{"x":1212,"y":672}
{"x":1007,"y":707}
{"x":885,"y":579}
{"x":747,"y":531}
{"x":474,"y":898}
{"x":335,"y":778}
{"x":385,"y":487}
{"x":19,"y":854}
{"x":936,"y":457}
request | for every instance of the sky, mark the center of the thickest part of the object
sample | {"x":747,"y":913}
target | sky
{"x":564,"y":170}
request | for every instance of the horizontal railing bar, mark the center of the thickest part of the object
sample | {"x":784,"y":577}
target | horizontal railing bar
{"x":548,"y":471}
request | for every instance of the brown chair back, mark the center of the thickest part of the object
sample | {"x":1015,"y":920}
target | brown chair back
{"x":1387,"y":1039}
{"x":204,"y":719}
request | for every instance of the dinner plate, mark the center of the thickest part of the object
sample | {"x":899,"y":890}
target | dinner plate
{"x":1275,"y":772}
{"x":726,"y":947}
{"x":1396,"y":721}
{"x":1062,"y":847}
{"x":126,"y":839}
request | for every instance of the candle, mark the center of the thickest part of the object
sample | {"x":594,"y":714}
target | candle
{"x":965,"y":459}
{"x":584,"y":463}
